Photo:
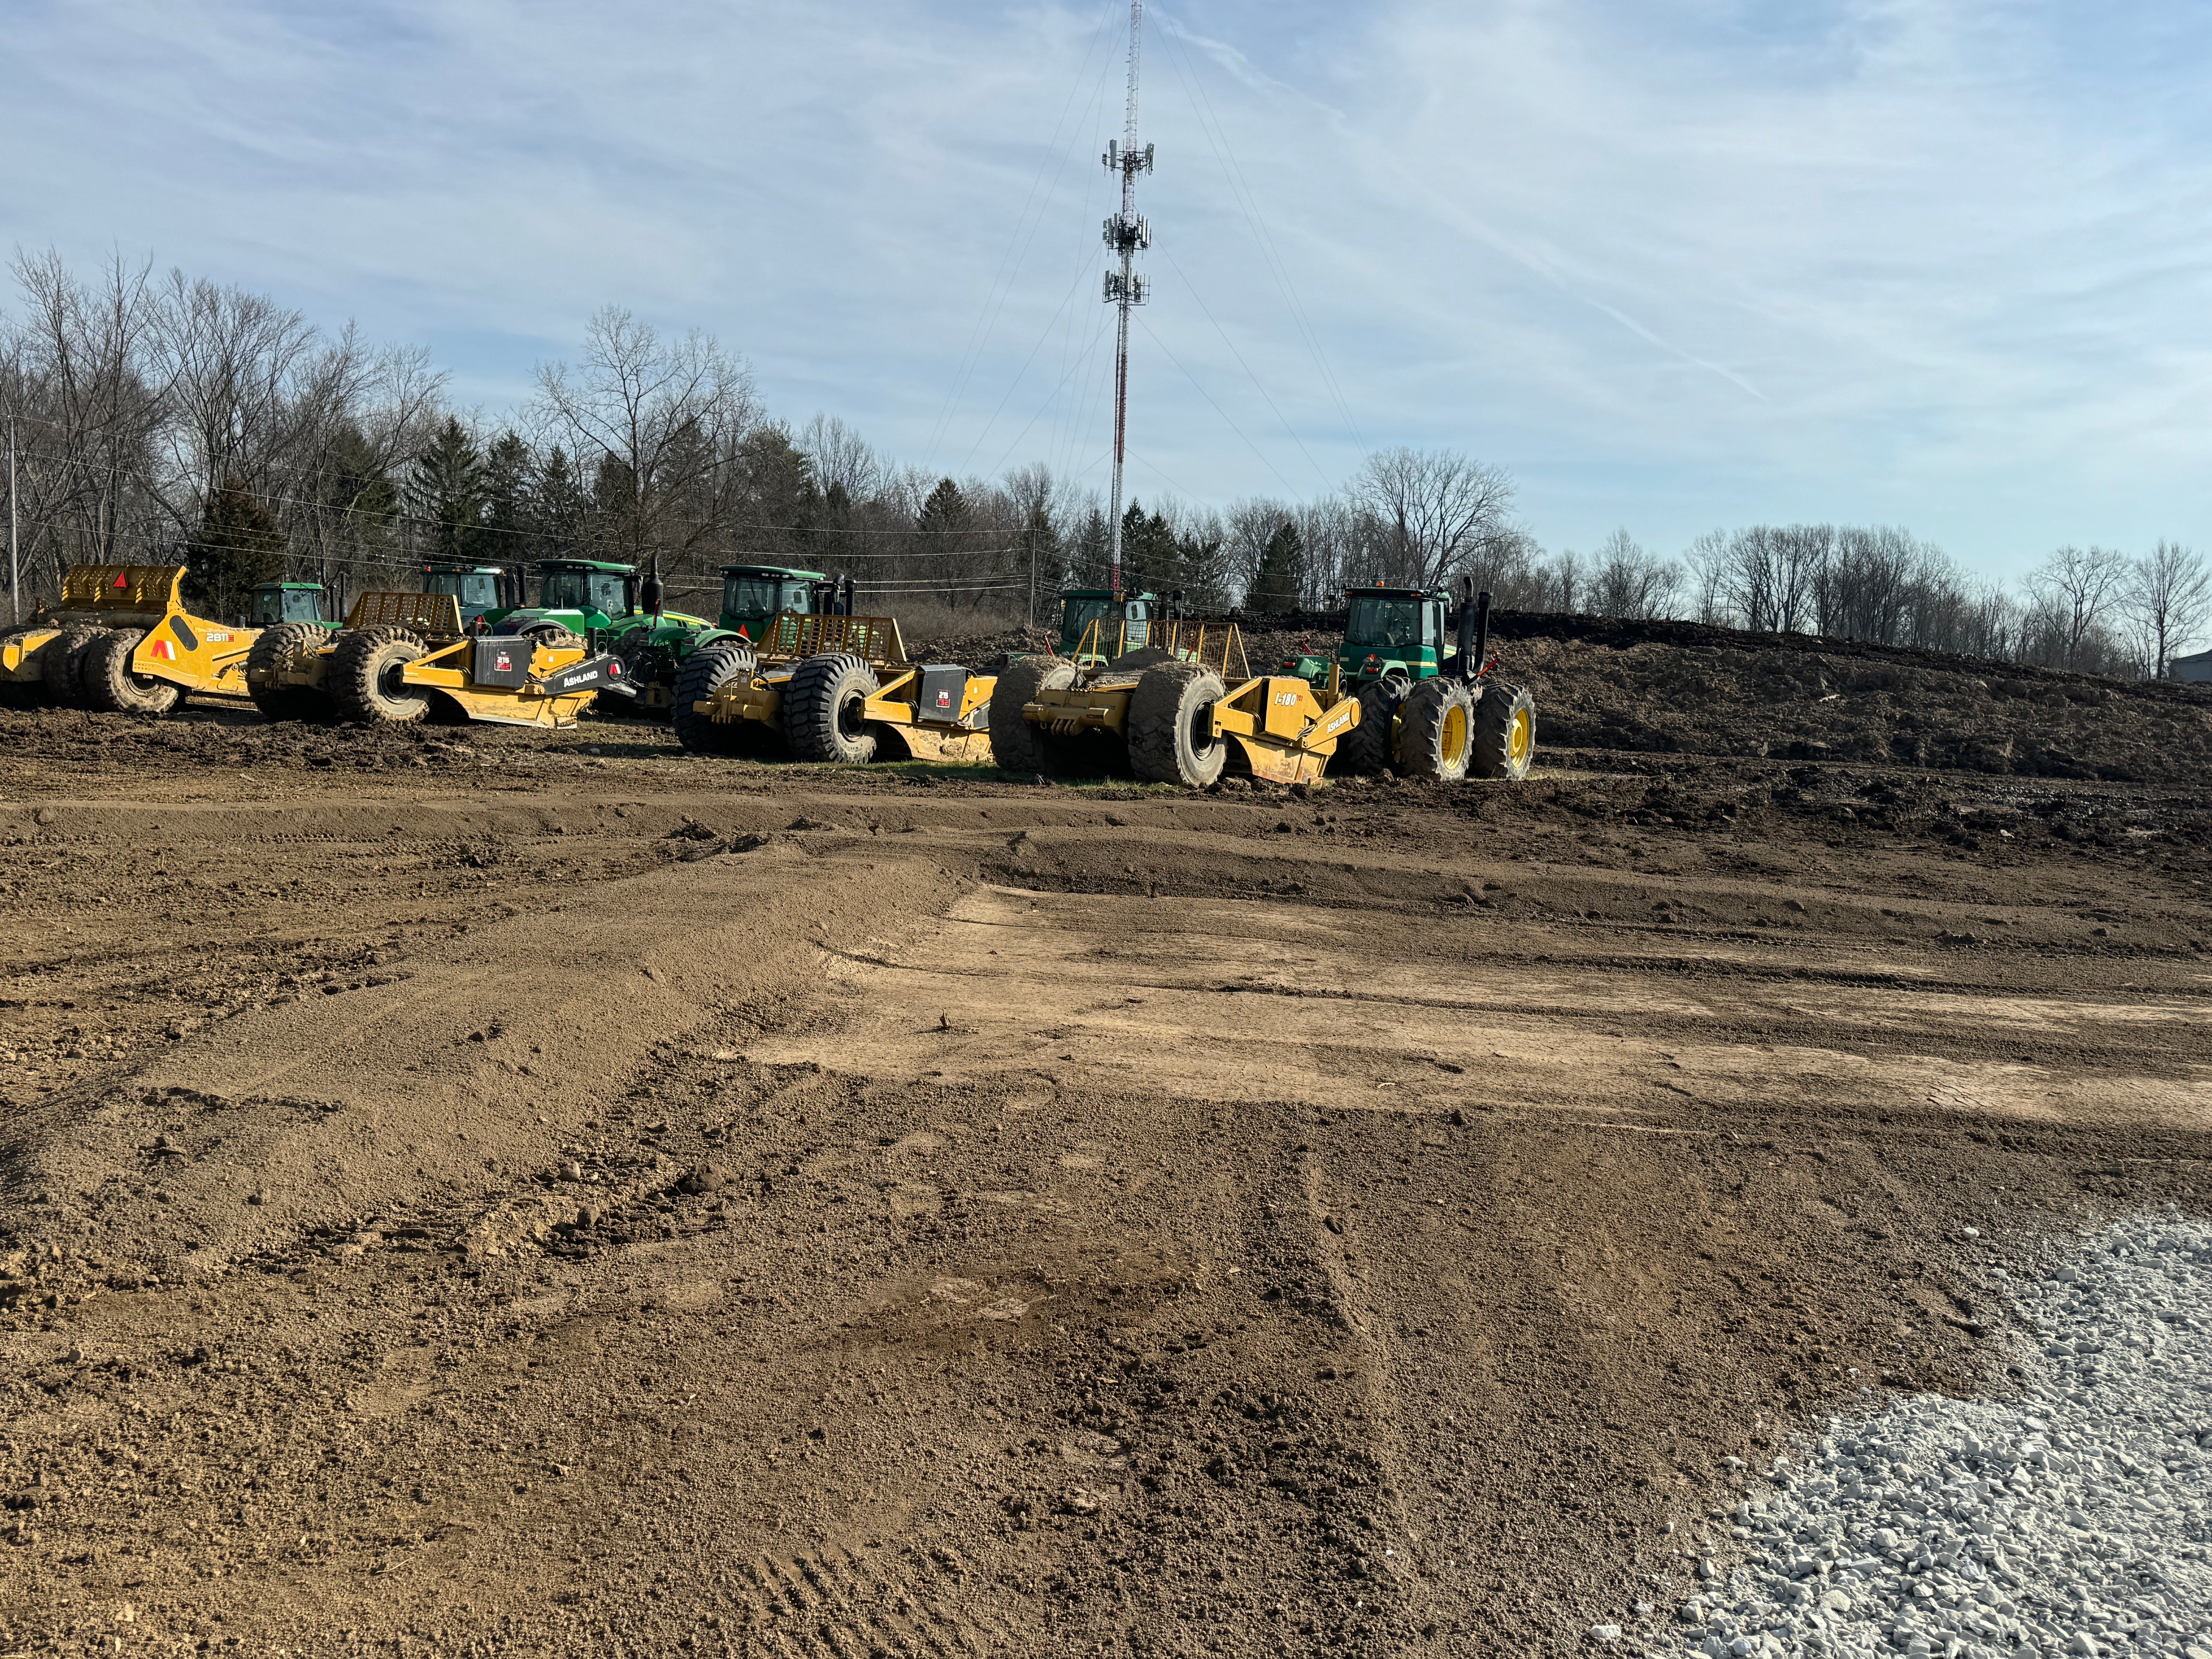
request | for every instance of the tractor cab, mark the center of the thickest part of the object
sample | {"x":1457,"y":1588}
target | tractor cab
{"x":481,"y":590}
{"x":592,"y":591}
{"x":274,"y":603}
{"x":754,"y":595}
{"x":576,"y":596}
{"x":1397,"y":631}
{"x":1122,"y":618}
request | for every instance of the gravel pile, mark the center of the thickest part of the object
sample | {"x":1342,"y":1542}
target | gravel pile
{"x":2073,"y":1521}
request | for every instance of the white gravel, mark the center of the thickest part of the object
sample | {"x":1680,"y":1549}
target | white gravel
{"x":2073,"y":1521}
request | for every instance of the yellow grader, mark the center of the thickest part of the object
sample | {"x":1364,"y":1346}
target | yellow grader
{"x":404,"y":656}
{"x":838,"y":689}
{"x":119,"y":638}
{"x":1181,"y":709}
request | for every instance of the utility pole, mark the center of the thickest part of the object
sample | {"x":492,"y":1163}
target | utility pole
{"x":14,"y":576}
{"x":1126,"y":232}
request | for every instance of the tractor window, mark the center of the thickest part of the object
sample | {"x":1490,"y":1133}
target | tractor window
{"x":751,"y":596}
{"x":478,"y":588}
{"x":268,"y":607}
{"x":1081,"y":614}
{"x":1393,"y":622}
{"x":798,"y":598}
{"x":564,"y":589}
{"x":303,"y":605}
{"x":610,"y":593}
{"x":1435,"y":636}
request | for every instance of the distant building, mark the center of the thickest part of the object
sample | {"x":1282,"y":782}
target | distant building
{"x":2197,"y":669}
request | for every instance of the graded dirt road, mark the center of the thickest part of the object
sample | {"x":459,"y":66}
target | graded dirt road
{"x":501,"y":1194}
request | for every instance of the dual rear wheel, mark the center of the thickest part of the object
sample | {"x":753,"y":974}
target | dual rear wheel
{"x":1443,"y":731}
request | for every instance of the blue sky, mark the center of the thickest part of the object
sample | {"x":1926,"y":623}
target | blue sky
{"x":1675,"y":265}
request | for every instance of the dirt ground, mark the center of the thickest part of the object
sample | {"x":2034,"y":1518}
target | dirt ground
{"x":471,"y":1191}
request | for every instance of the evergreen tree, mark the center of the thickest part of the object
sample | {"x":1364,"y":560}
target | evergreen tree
{"x":943,"y":512}
{"x":446,"y":494}
{"x":1086,"y":563}
{"x":239,"y":547}
{"x":508,"y":473}
{"x":1151,"y":562}
{"x":557,"y":508}
{"x":782,"y":503}
{"x":1275,"y":586}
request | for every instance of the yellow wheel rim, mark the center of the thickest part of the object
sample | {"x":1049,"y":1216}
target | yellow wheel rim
{"x":1455,"y":735}
{"x":1523,"y":736}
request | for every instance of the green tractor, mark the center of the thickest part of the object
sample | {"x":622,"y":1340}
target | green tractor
{"x":277,"y":602}
{"x":485,"y":592}
{"x":1124,"y":623}
{"x":1427,"y":706}
{"x":610,"y":607}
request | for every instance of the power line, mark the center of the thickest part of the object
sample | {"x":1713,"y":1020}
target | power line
{"x":1240,"y":191}
{"x":1218,"y":408}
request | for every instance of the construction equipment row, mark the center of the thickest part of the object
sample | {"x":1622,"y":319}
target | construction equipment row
{"x":1134,"y":687}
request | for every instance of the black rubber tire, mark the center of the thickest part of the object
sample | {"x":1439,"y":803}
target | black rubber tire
{"x":552,"y":636}
{"x":109,"y":685}
{"x":1370,"y":747}
{"x":1436,"y":731}
{"x":1495,"y":752}
{"x":277,"y":650}
{"x":64,"y":664}
{"x":1017,"y":746}
{"x":1171,"y":702}
{"x":364,"y":676}
{"x":822,"y":705}
{"x":703,"y":673}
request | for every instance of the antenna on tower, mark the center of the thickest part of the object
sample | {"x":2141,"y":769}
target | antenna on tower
{"x":1126,"y":232}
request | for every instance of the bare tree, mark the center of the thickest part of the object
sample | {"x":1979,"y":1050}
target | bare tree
{"x":2168,"y":597}
{"x":1630,"y":583}
{"x":2073,"y":592}
{"x":658,"y":426}
{"x":1439,"y":510}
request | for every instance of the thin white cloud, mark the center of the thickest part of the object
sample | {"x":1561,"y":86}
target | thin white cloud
{"x":1940,"y":261}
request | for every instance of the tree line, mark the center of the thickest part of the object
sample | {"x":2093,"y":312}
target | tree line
{"x":170,"y":419}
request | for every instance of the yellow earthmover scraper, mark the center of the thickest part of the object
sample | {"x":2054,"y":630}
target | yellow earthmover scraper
{"x":1181,"y":709}
{"x":404,"y":656}
{"x":119,"y":638}
{"x":829,"y":688}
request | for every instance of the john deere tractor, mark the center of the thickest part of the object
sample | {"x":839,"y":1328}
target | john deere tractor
{"x":1123,"y":621}
{"x":277,"y":603}
{"x":485,"y":592}
{"x":1428,"y":706}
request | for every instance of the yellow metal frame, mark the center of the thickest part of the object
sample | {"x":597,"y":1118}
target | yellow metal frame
{"x":178,"y":647}
{"x":20,"y":663}
{"x":1282,"y":730}
{"x":790,"y":637}
{"x":532,"y":703}
{"x":434,"y":615}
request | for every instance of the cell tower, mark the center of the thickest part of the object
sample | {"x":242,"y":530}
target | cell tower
{"x":1126,"y":232}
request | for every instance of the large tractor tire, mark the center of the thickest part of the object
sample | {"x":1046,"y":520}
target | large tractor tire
{"x":64,"y":662}
{"x":552,"y":636}
{"x":1504,"y":733}
{"x":703,"y":674}
{"x":823,"y":705}
{"x":1017,"y":746}
{"x":1171,"y":737}
{"x":277,"y":650}
{"x":364,"y":676}
{"x":1435,"y":731}
{"x":1370,"y":747}
{"x":108,"y":684}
